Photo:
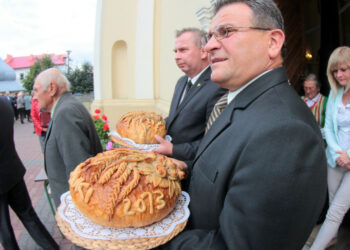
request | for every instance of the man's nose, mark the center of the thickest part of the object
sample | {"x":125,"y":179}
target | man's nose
{"x":177,"y":56}
{"x":212,"y":44}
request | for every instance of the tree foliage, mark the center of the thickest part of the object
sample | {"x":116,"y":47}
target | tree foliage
{"x":82,"y":79}
{"x":39,"y":65}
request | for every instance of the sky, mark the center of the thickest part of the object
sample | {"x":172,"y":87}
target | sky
{"x":34,"y":27}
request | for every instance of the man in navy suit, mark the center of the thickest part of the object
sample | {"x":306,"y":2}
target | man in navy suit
{"x":13,"y":191}
{"x":258,"y":179}
{"x":194,"y":97}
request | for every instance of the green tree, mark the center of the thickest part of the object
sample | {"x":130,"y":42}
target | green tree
{"x":39,"y":65}
{"x":82,"y":79}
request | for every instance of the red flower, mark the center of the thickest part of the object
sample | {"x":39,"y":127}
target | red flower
{"x":105,"y":127}
{"x":96,"y":117}
{"x":104,"y":117}
{"x":97,"y":111}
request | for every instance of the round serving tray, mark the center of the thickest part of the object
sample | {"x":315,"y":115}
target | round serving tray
{"x":85,"y":233}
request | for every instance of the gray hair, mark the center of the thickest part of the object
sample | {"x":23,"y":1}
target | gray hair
{"x":266,"y":14}
{"x":199,"y":35}
{"x":47,"y":76}
{"x":314,"y":78}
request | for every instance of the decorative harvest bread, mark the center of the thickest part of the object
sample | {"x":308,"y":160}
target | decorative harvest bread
{"x":141,"y":127}
{"x":126,"y":188}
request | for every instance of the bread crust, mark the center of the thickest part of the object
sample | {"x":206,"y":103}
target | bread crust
{"x":126,"y":188}
{"x":141,"y":127}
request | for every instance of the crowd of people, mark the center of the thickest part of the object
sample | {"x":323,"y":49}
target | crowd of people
{"x":21,"y":103}
{"x":258,"y":162}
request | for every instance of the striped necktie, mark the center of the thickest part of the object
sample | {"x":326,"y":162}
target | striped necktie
{"x":218,"y":108}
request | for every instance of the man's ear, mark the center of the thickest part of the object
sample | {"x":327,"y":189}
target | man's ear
{"x":204,"y":54}
{"x":276,"y":42}
{"x":52,"y":89}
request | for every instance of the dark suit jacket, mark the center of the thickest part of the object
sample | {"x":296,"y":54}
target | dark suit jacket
{"x":71,"y":139}
{"x":186,"y":122}
{"x":259,"y":175}
{"x":11,"y":167}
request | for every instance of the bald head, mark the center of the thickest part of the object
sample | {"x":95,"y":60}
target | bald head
{"x":53,"y":75}
{"x":49,"y":85}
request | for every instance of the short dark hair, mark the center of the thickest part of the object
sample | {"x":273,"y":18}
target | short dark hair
{"x":266,"y":14}
{"x":200,"y":36}
{"x":313,"y":77}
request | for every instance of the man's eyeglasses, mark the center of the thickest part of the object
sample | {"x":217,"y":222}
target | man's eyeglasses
{"x":334,"y":71}
{"x":224,"y":31}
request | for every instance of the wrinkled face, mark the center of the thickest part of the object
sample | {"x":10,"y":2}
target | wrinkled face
{"x":188,"y":56}
{"x":342,"y":74}
{"x":310,"y":89}
{"x":242,"y":55}
{"x":43,"y":96}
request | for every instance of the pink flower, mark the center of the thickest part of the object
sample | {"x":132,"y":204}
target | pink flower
{"x":96,"y":117}
{"x":104,"y":117}
{"x":97,"y":111}
{"x":109,"y":145}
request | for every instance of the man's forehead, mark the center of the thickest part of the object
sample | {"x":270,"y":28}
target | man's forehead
{"x":234,"y":14}
{"x":310,"y":82}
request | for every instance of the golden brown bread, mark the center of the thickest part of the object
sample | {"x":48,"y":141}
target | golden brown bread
{"x":126,"y":188}
{"x":141,"y":127}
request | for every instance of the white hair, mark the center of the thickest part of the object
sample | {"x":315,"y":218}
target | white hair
{"x":46,"y":77}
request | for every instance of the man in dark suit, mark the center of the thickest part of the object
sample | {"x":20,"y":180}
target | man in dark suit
{"x":194,"y":97}
{"x":13,"y":191}
{"x":259,"y":175}
{"x":71,"y":136}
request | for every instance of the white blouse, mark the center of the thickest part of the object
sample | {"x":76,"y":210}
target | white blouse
{"x":343,"y":120}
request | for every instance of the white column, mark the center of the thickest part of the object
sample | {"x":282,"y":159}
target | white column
{"x":144,"y":50}
{"x":98,"y":75}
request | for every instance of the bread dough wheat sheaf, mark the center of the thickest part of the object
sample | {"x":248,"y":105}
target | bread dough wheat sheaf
{"x":120,"y":171}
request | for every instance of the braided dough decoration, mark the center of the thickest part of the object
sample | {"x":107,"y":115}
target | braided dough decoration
{"x":126,"y":188}
{"x":141,"y":127}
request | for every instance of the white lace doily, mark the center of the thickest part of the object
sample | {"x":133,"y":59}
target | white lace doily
{"x":144,"y":147}
{"x":85,"y":228}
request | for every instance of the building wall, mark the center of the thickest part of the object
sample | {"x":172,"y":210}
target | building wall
{"x":134,"y":58}
{"x":25,"y":72}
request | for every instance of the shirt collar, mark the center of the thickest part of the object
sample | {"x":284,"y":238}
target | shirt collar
{"x":54,"y":106}
{"x":315,"y":99}
{"x":233,"y":94}
{"x":194,"y":79}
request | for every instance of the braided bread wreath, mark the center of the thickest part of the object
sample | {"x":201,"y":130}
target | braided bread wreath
{"x":126,"y":188}
{"x":141,"y":127}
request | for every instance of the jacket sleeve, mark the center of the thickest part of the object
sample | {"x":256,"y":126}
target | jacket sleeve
{"x":330,"y":129}
{"x":185,"y":151}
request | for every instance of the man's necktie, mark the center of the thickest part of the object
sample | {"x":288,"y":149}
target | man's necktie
{"x":186,"y":90}
{"x":218,"y":108}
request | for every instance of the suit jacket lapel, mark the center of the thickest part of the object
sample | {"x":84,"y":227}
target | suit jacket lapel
{"x":198,"y":85}
{"x":242,"y":100}
{"x":176,"y":100}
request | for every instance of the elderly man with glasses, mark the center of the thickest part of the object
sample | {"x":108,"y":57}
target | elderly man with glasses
{"x":258,"y":179}
{"x":314,"y":100}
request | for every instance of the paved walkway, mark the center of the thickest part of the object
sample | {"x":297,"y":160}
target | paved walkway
{"x":28,"y":149}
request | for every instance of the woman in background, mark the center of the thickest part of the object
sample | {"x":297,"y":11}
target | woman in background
{"x":337,"y":133}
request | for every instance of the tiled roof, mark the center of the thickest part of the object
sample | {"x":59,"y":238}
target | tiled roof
{"x":28,"y":61}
